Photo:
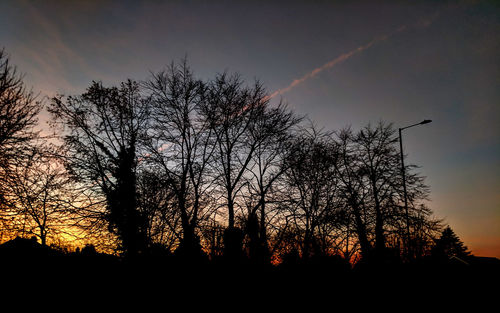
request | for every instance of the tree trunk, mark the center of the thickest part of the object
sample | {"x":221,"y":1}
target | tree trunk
{"x":361,"y":230}
{"x":379,"y":221}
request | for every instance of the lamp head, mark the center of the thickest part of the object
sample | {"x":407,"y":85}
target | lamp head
{"x":425,"y":122}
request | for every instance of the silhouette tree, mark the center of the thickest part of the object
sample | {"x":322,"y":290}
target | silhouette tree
{"x":103,"y":128}
{"x":274,"y":132}
{"x":37,"y":197}
{"x":156,"y":202}
{"x":379,"y":165}
{"x":212,"y":234}
{"x":179,"y":144}
{"x":378,"y":175}
{"x":450,"y":246}
{"x":312,"y":187}
{"x":232,"y":111}
{"x":351,"y":191}
{"x":18,"y":117}
{"x":423,"y":232}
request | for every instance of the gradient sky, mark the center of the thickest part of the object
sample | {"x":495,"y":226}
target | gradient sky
{"x":340,"y":62}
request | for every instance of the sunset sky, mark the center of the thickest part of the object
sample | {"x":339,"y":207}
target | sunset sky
{"x":339,"y":62}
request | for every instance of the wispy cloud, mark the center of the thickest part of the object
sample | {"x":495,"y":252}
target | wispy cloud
{"x":424,"y":22}
{"x":50,"y":51}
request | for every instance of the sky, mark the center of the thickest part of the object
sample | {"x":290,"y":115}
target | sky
{"x":340,"y":63}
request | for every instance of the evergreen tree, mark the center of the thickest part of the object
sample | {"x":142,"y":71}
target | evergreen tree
{"x":449,"y":245}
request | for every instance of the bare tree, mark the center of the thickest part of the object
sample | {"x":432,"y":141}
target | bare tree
{"x":180,"y":145}
{"x":424,"y":230}
{"x":371,"y":190}
{"x":232,"y":111}
{"x":312,"y":187}
{"x":156,"y":201}
{"x":103,"y":128}
{"x":352,"y":191}
{"x":274,"y":133}
{"x":18,"y":116}
{"x":379,"y":164}
{"x":37,"y":197}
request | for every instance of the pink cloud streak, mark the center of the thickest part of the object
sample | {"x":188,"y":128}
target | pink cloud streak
{"x":345,"y":56}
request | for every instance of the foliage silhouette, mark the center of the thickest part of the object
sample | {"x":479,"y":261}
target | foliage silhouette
{"x":105,"y":126}
{"x":449,"y":247}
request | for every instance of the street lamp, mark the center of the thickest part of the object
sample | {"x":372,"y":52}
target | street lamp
{"x":404,"y":181}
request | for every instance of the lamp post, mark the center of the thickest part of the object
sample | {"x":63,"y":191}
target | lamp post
{"x":404,"y":182}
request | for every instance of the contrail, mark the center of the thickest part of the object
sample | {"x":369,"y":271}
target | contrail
{"x":325,"y":66}
{"x":347,"y":55}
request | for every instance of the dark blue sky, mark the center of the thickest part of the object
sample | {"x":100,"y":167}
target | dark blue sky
{"x":439,"y":61}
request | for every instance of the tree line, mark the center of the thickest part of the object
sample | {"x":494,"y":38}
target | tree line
{"x":204,"y":168}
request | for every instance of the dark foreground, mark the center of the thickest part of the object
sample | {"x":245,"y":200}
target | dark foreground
{"x":92,"y":277}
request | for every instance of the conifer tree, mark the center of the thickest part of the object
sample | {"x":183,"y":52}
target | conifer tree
{"x":449,"y":245}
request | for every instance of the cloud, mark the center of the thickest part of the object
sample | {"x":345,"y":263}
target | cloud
{"x":422,"y":23}
{"x":325,"y":66}
{"x":49,"y":45}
